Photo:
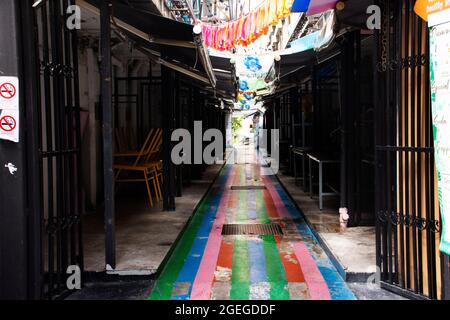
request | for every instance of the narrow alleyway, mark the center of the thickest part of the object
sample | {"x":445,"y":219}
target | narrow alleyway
{"x":204,"y":264}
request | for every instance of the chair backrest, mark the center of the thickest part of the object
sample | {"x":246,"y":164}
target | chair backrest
{"x":154,"y":147}
{"x":146,"y":145}
{"x":124,"y":139}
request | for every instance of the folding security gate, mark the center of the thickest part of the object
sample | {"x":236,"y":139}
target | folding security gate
{"x":59,"y":111}
{"x":406,"y":194}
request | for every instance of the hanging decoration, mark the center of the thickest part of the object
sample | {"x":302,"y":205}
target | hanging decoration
{"x":319,"y":6}
{"x":300,"y":6}
{"x":246,"y":29}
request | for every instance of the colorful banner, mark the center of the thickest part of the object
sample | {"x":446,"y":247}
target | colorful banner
{"x":440,"y":97}
{"x":247,"y":29}
{"x":254,"y":66}
{"x":300,"y":6}
{"x":319,"y":6}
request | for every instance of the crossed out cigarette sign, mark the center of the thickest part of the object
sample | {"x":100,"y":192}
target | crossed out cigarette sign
{"x":7,"y":90}
{"x":7,"y":123}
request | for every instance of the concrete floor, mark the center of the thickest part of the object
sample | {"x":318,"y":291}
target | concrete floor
{"x":353,"y":247}
{"x":143,"y":235}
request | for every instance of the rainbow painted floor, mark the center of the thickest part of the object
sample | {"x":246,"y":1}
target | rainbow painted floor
{"x":206,"y":265}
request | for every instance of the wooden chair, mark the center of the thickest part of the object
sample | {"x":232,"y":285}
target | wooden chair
{"x":145,"y":161}
{"x":124,"y":140}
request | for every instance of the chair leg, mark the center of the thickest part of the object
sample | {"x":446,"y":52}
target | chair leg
{"x":116,"y":184}
{"x":155,"y":187}
{"x":118,"y":173}
{"x":155,"y":184}
{"x":158,"y":178}
{"x":158,"y":184}
{"x":148,"y":190}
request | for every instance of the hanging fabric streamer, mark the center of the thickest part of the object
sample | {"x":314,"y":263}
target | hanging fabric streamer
{"x":248,"y":28}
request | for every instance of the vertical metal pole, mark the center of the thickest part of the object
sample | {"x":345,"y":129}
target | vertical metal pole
{"x":58,"y":107}
{"x":106,"y":94}
{"x":47,"y":109}
{"x":79,"y":166}
{"x":345,"y":69}
{"x":400,"y":270}
{"x":377,"y":141}
{"x":179,"y":124}
{"x":168,"y":118}
{"x":310,"y":178}
{"x":320,"y":185}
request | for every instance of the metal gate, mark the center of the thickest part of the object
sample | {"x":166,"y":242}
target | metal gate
{"x":406,"y":199}
{"x":59,"y":146}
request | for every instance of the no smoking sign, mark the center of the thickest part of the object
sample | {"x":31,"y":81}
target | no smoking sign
{"x":9,"y":93}
{"x":9,"y":109}
{"x":7,"y":123}
{"x":7,"y":90}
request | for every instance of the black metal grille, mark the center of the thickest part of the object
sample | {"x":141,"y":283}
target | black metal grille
{"x":252,"y":229}
{"x":59,"y":145}
{"x":408,"y":220}
{"x":248,"y":188}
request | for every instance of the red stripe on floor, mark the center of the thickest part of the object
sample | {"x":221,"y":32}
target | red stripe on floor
{"x":291,"y":265}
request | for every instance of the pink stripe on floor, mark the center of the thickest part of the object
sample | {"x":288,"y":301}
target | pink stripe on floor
{"x":277,"y":201}
{"x":202,"y":286}
{"x":317,"y":286}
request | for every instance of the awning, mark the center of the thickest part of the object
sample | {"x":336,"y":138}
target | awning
{"x":166,"y":41}
{"x":225,"y":74}
{"x":290,"y":63}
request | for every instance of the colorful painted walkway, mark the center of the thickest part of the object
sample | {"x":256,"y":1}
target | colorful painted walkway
{"x":206,"y":265}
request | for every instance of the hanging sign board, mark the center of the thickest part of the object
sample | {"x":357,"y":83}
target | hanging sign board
{"x":426,"y":8}
{"x":440,"y":97}
{"x":9,"y":109}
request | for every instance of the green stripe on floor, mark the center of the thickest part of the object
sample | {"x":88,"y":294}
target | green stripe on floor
{"x":240,"y":275}
{"x":164,"y":285}
{"x":242,"y":207}
{"x":275,"y":270}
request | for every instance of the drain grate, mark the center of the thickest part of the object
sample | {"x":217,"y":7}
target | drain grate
{"x":252,"y":229}
{"x":246,"y":188}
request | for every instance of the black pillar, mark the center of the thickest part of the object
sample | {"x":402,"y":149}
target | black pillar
{"x":349,"y":105}
{"x":197,"y":116}
{"x":168,"y":112}
{"x":107,"y":125}
{"x":20,"y":210}
{"x":178,"y":120}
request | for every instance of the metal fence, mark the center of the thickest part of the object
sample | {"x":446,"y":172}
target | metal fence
{"x":408,"y":225}
{"x":59,"y":146}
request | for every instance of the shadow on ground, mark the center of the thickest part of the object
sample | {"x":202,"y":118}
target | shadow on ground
{"x":117,"y":290}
